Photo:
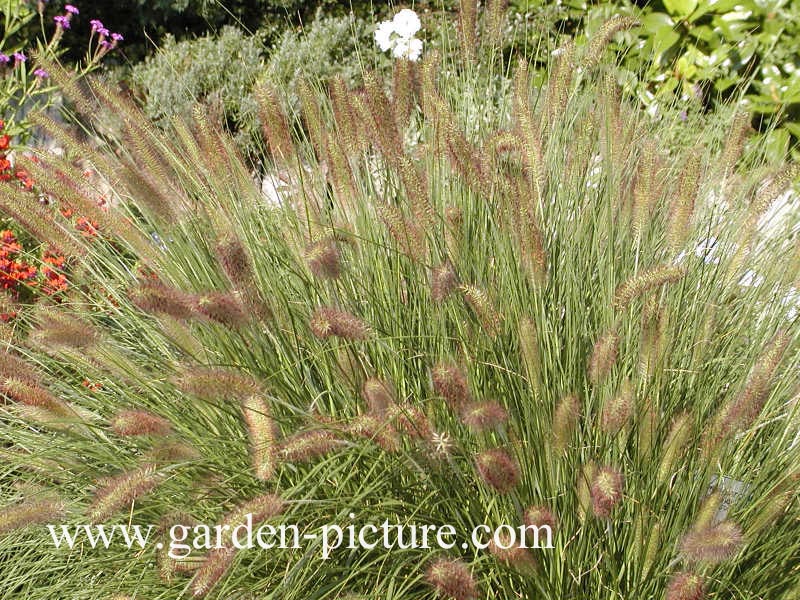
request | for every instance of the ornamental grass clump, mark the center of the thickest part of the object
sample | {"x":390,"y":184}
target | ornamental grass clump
{"x":483,"y":323}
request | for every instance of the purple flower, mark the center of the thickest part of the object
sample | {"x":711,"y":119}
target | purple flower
{"x":96,"y":24}
{"x":4,"y":59}
{"x":106,"y":44}
{"x":72,"y":9}
{"x":62,"y":21}
{"x":19,"y":57}
{"x":41,"y":73}
{"x":103,"y":31}
{"x":683,"y":116}
{"x":117,"y":37}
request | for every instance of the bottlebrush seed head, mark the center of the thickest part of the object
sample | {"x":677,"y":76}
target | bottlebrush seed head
{"x":261,"y":431}
{"x":216,"y":565}
{"x":735,"y":141}
{"x":57,"y":330}
{"x":498,"y":470}
{"x":222,"y":307}
{"x":483,"y":416}
{"x":326,"y":322}
{"x":116,"y":493}
{"x":712,"y":545}
{"x":452,"y":580}
{"x":617,"y":410}
{"x":450,"y":383}
{"x":379,"y":432}
{"x":156,"y":298}
{"x":308,"y":445}
{"x":686,"y":586}
{"x":584,"y":488}
{"x":604,"y":356}
{"x":745,"y":408}
{"x":215,"y":383}
{"x":17,"y":516}
{"x":679,"y":435}
{"x":234,"y":260}
{"x":31,"y":394}
{"x":443,"y":282}
{"x":606,"y":491}
{"x":139,"y":422}
{"x":645,"y":282}
{"x":480,"y":302}
{"x":170,"y":451}
{"x":379,"y":396}
{"x":260,"y":508}
{"x":410,"y":420}
{"x":565,"y":420}
{"x":709,"y":508}
{"x":14,"y":367}
{"x":323,"y":259}
{"x":599,"y":41}
{"x":529,"y":349}
{"x":538,"y":516}
{"x":274,"y":124}
{"x":506,"y":549}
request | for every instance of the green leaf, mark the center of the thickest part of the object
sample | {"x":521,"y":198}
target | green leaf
{"x":661,"y":26}
{"x":776,"y":144}
{"x":680,"y":8}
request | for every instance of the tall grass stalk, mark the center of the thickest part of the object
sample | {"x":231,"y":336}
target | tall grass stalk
{"x":462,"y":313}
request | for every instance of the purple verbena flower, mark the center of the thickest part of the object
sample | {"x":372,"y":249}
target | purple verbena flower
{"x":19,"y":57}
{"x":4,"y":59}
{"x":41,"y":73}
{"x":117,"y":37}
{"x":96,"y":24}
{"x":103,"y":31}
{"x":62,"y":21}
{"x":106,"y":44}
{"x":72,"y":9}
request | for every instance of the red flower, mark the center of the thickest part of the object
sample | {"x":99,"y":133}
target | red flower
{"x":4,"y":141}
{"x":92,"y":386}
{"x":13,"y":272}
{"x":87,"y":227}
{"x":54,"y":280}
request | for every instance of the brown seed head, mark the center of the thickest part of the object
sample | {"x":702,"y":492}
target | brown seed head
{"x":606,"y":491}
{"x":139,"y":422}
{"x":498,"y":470}
{"x":452,"y":580}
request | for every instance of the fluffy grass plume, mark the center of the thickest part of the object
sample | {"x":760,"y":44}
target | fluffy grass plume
{"x":464,"y":312}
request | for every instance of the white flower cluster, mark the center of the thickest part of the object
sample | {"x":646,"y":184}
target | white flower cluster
{"x":398,"y":34}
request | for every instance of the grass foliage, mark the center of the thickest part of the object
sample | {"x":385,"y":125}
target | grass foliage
{"x":443,"y":323}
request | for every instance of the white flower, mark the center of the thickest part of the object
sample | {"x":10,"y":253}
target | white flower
{"x":406,"y":23}
{"x":441,"y":443}
{"x":397,"y":35}
{"x":383,"y":35}
{"x":410,"y":49}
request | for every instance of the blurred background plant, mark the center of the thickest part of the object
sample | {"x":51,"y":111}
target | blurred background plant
{"x":35,"y":33}
{"x":700,"y":53}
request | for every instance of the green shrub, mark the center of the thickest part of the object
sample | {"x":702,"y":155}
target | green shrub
{"x":217,"y":69}
{"x":528,"y":323}
{"x":702,"y":53}
{"x":224,"y":70}
{"x":329,"y":47}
